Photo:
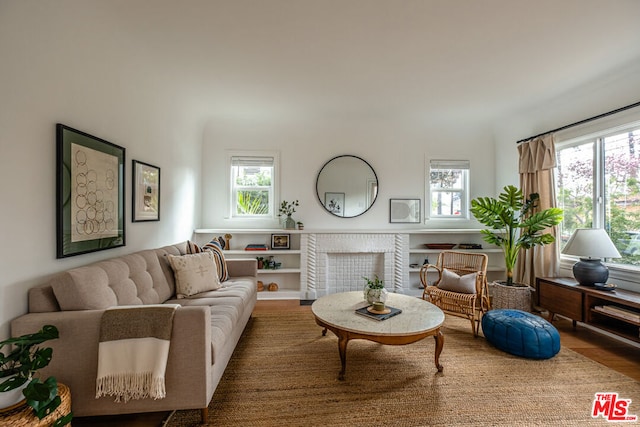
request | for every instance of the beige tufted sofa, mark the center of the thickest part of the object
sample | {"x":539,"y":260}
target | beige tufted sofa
{"x":206,"y":328}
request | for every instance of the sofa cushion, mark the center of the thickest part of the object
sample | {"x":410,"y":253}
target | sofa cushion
{"x":194,"y":273}
{"x":453,"y":282}
{"x":83,"y":288}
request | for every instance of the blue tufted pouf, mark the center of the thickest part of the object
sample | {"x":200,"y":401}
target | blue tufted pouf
{"x":521,"y":333}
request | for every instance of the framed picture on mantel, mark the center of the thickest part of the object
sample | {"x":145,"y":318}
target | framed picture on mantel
{"x":89,"y":193}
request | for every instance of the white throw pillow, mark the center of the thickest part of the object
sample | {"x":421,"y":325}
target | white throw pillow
{"x":194,"y":273}
{"x":463,"y":284}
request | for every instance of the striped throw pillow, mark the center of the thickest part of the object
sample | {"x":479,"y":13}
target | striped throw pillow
{"x":193,"y":248}
{"x":218,"y":255}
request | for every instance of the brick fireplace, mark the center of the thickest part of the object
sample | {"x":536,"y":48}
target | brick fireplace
{"x":336,"y":262}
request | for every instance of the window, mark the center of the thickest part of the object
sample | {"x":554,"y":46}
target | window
{"x":597,"y":187}
{"x":252,"y":186}
{"x":448,"y":185}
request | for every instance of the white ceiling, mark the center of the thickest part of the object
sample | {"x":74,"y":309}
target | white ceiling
{"x":380,"y":59}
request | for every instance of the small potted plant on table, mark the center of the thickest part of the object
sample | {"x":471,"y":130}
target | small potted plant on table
{"x":374,"y":290}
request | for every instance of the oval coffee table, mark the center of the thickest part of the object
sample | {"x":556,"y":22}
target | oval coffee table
{"x":419,"y":319}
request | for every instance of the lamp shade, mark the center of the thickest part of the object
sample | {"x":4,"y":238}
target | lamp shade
{"x":591,"y":243}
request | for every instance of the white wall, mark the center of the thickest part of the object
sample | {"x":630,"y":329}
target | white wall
{"x":396,"y":151}
{"x":609,"y":93}
{"x":67,"y":66}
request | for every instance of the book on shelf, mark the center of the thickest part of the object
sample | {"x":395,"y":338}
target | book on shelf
{"x":384,"y":316}
{"x":256,"y":247}
{"x":619,"y":311}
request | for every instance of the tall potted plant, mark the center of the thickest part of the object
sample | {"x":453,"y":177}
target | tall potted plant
{"x":515,"y":223}
{"x":18,"y":371}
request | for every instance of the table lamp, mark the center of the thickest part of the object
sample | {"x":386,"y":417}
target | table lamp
{"x":590,"y":244}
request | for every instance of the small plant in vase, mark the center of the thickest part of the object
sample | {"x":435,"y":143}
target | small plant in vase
{"x":374,"y":290}
{"x":287,"y":209}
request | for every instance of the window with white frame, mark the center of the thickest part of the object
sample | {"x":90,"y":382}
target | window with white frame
{"x":252,"y":185}
{"x":597,"y":186}
{"x":448,"y":189}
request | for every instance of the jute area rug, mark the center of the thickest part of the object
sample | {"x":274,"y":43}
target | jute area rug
{"x":284,"y":373}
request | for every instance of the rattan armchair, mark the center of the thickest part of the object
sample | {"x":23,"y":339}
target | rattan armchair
{"x":466,"y":305}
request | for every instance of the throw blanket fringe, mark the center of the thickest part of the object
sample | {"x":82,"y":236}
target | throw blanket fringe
{"x":135,"y":386}
{"x":133,"y":352}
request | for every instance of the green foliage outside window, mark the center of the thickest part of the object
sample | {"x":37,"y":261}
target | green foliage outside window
{"x":253,"y":203}
{"x":621,"y":194}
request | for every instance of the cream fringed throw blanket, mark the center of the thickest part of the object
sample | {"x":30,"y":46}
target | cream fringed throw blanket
{"x":133,"y":351}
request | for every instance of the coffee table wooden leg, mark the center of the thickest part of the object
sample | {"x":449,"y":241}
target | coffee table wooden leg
{"x":439,"y":344}
{"x":343,"y":339}
{"x":324,"y":332}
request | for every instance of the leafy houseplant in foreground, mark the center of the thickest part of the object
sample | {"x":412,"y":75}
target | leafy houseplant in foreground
{"x":514,"y":223}
{"x":20,"y":364}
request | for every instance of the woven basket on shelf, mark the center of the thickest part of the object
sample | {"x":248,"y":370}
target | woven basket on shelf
{"x":23,"y":416}
{"x":514,"y":297}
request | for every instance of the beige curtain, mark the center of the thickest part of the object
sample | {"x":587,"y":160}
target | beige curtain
{"x":537,"y":160}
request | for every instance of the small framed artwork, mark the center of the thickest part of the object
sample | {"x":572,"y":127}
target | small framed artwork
{"x":146,"y":192}
{"x":89,"y":193}
{"x":280,"y":241}
{"x":334,"y":202}
{"x":404,"y":210}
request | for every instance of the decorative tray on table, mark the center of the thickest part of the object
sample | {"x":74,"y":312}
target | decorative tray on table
{"x":604,"y":286}
{"x":378,"y":315}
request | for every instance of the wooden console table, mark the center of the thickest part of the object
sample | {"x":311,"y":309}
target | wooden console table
{"x":617,"y":312}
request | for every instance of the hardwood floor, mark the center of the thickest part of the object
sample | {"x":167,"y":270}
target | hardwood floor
{"x":608,"y":351}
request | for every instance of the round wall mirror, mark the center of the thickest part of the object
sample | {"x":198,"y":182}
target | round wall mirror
{"x":347,"y":186}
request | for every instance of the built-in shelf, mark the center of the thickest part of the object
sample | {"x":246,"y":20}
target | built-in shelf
{"x":260,"y":253}
{"x":278,"y":295}
{"x":279,"y":271}
{"x":437,"y":251}
{"x":292,"y":274}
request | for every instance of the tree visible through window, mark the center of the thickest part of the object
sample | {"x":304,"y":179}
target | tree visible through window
{"x":448,"y":183}
{"x":252,"y":186}
{"x":597,"y":187}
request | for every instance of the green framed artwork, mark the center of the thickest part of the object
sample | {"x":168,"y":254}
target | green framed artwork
{"x":89,"y":193}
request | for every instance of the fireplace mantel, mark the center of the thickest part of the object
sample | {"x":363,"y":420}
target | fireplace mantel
{"x":319,"y":268}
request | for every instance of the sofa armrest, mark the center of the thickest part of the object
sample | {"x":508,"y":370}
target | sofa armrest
{"x":75,"y":359}
{"x":242,"y":267}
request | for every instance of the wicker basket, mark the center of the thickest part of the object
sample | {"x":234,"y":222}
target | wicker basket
{"x":23,"y":416}
{"x":514,"y":297}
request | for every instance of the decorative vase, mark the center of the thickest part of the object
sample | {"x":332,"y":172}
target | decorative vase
{"x":289,"y":223}
{"x":375,"y":295}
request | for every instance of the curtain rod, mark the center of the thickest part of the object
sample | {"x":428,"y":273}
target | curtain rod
{"x":590,"y":119}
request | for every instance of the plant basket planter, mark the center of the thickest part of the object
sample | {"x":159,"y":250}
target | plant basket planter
{"x":516,"y":297}
{"x":22,"y":415}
